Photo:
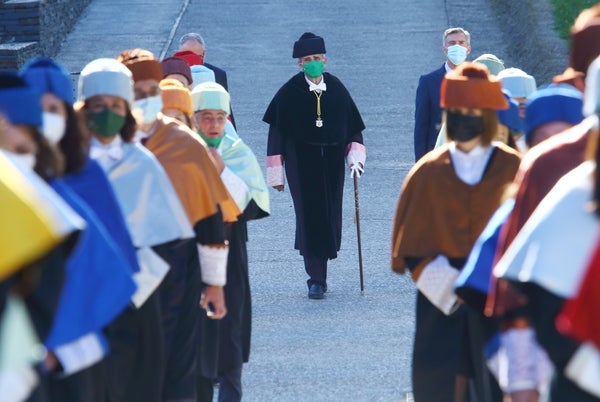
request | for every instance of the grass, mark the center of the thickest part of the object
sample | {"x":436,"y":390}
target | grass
{"x":565,"y":12}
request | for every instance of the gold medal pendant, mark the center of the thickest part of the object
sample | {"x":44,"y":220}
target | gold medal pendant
{"x":319,"y":122}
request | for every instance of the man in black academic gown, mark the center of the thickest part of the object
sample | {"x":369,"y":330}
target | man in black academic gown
{"x":314,"y":124}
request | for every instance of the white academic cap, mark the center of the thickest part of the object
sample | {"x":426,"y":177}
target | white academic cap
{"x":210,"y":96}
{"x":517,"y":82}
{"x":105,"y":77}
{"x":202,"y":74}
{"x":591,"y":96}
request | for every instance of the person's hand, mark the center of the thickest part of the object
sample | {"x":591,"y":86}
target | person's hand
{"x":356,"y":169}
{"x":279,"y":187}
{"x":217,"y":160}
{"x":527,"y":395}
{"x":213,"y":301}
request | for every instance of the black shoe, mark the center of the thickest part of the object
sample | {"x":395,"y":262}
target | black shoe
{"x":316,"y":292}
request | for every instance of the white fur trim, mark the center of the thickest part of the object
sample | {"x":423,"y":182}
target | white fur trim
{"x":80,"y":354}
{"x":213,"y":264}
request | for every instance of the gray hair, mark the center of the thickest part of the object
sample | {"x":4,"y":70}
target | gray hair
{"x":192,"y":36}
{"x":456,"y":30}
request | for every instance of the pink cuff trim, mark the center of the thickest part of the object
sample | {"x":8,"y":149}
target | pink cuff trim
{"x":356,"y":153}
{"x":274,"y":161}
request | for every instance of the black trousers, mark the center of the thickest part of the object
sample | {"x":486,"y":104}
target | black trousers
{"x":316,"y":268}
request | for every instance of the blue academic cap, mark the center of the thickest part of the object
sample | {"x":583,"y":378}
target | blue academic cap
{"x":557,"y":102}
{"x":18,"y":102}
{"x":47,"y":76}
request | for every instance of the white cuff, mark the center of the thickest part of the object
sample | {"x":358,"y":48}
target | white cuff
{"x":584,"y":369}
{"x":213,"y":264}
{"x":275,"y":176}
{"x":236,"y":186}
{"x":17,"y":384}
{"x":529,"y":367}
{"x":436,"y":282}
{"x":153,"y":270}
{"x":80,"y":354}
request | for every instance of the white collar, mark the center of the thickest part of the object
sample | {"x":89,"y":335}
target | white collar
{"x":321,"y":86}
{"x":107,"y":154}
{"x":470,"y":166}
{"x":448,"y":68}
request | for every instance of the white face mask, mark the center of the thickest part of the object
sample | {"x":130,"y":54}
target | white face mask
{"x":457,"y":54}
{"x":150,"y":107}
{"x":54,"y":126}
{"x":27,"y":160}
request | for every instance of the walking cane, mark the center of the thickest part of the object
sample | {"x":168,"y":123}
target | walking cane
{"x":357,"y":221}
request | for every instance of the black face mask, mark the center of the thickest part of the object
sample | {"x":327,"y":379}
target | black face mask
{"x":463,"y":128}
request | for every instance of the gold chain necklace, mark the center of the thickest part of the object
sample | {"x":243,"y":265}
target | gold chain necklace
{"x":319,"y":121}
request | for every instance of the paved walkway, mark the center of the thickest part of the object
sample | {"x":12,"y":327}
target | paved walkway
{"x":348,"y":346}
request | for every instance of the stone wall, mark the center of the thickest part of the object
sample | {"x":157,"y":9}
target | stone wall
{"x":31,"y":28}
{"x":529,"y":37}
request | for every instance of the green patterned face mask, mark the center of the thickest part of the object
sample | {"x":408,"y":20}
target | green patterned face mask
{"x":212,"y":142}
{"x":314,"y":68}
{"x":106,"y":123}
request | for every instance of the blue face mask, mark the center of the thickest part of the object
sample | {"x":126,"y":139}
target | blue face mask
{"x":150,"y":107}
{"x":457,"y":54}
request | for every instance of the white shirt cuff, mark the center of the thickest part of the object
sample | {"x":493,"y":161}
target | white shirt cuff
{"x":213,"y":264}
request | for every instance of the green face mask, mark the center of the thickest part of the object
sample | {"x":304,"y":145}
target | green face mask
{"x":106,"y":123}
{"x":314,"y":68}
{"x":212,"y":142}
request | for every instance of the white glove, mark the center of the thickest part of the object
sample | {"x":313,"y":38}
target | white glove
{"x":436,"y":282}
{"x":357,"y":170}
{"x":528,"y":365}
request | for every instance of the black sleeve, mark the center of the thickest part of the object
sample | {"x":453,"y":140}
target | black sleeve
{"x":543,"y":308}
{"x":275,"y":142}
{"x":210,"y":230}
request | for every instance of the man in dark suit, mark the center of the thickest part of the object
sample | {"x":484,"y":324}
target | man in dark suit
{"x":195,"y":43}
{"x":456,"y":44}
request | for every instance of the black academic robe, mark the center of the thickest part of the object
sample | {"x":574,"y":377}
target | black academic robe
{"x":225,"y":344}
{"x":179,"y":296}
{"x":314,"y":157}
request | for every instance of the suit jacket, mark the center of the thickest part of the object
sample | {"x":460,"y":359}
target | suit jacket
{"x":221,"y":78}
{"x":428,"y":113}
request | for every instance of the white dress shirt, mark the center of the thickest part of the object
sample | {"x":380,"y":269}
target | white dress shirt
{"x":469,"y":167}
{"x":321,"y":86}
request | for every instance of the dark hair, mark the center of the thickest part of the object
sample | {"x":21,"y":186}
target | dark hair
{"x":490,"y":126}
{"x":75,"y":143}
{"x":49,"y":163}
